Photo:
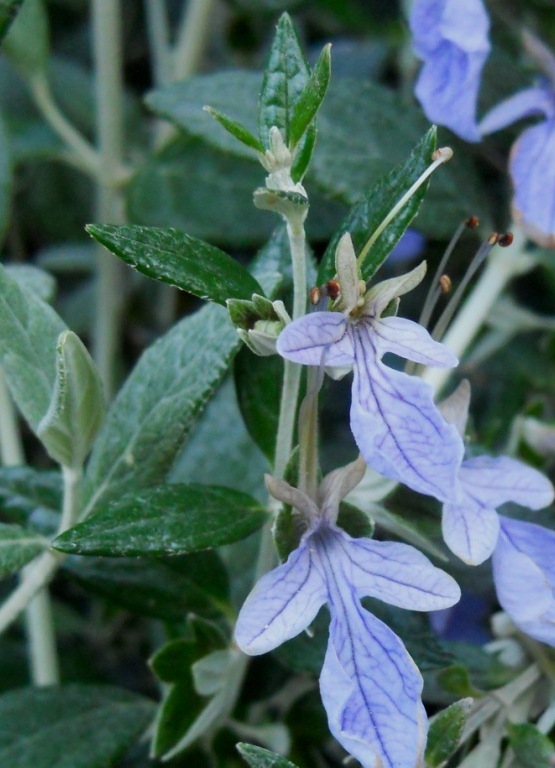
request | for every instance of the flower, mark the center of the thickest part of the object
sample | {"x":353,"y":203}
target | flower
{"x":370,"y":686}
{"x":532,"y":161}
{"x":396,"y":425}
{"x":470,"y":522}
{"x":524,"y":573}
{"x":451,"y":37}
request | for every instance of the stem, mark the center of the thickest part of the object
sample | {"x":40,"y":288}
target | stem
{"x":191,"y":37}
{"x":158,"y":37}
{"x":503,"y":264}
{"x":41,"y":571}
{"x":41,"y":637}
{"x":84,"y":151}
{"x":109,"y":206}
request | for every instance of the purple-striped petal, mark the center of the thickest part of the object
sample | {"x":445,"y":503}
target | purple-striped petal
{"x":412,"y":341}
{"x":307,"y":338}
{"x":398,"y":574}
{"x":532,"y":169}
{"x":531,"y":101}
{"x":397,"y":427}
{"x":524,"y":575}
{"x":371,"y":691}
{"x":496,"y":480}
{"x":470,"y":529}
{"x":282,"y":603}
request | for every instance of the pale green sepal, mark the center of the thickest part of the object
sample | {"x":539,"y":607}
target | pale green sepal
{"x":455,"y":408}
{"x":380,"y":295}
{"x":291,"y":205}
{"x":210,"y":672}
{"x":258,"y":322}
{"x":347,"y":275}
{"x":76,"y":410}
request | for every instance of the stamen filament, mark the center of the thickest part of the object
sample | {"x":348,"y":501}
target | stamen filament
{"x":441,"y":156}
{"x":475,"y":264}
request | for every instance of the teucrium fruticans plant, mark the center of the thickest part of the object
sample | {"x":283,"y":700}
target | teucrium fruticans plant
{"x":128,"y":521}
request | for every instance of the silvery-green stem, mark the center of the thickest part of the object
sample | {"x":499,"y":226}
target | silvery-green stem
{"x":191,"y":37}
{"x":109,"y":207}
{"x":41,"y":571}
{"x":158,"y":37}
{"x":85,"y":155}
{"x":41,"y":638}
{"x":502,"y":265}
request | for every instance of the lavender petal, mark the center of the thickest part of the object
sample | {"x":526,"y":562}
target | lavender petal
{"x":532,"y":169}
{"x":412,"y":341}
{"x":305,"y":339}
{"x":397,"y":427}
{"x":524,"y":576}
{"x":282,"y":603}
{"x":531,"y":101}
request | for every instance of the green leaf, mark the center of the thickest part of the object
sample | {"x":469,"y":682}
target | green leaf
{"x":303,"y":156}
{"x":285,"y":78}
{"x":258,"y":385}
{"x":61,"y":725}
{"x":33,"y":280}
{"x":27,"y":44}
{"x":357,"y":523}
{"x":27,"y":494}
{"x":18,"y":547}
{"x":76,"y":411}
{"x":311,"y":98}
{"x":29,"y":331}
{"x":8,"y":11}
{"x":228,"y":454}
{"x":197,"y":189}
{"x":157,"y":406}
{"x":165,"y":588}
{"x":257,"y":757}
{"x":232,"y":93}
{"x":445,"y":732}
{"x":532,"y":748}
{"x":456,"y":679}
{"x":365,"y":217}
{"x":178,"y":711}
{"x":165,"y":520}
{"x":178,"y":259}
{"x":235,"y":129}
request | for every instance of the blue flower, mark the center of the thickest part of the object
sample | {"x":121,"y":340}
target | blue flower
{"x":523,"y":553}
{"x":370,"y":686}
{"x":470,"y":521}
{"x":524,"y":572}
{"x":451,"y":37}
{"x":532,"y":162}
{"x":398,"y":429}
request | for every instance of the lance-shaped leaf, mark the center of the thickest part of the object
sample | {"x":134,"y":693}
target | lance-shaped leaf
{"x":257,"y":757}
{"x":165,"y":520}
{"x":367,"y":215}
{"x":235,"y":128}
{"x":159,"y":403}
{"x":29,"y":331}
{"x":18,"y":547}
{"x":285,"y":77}
{"x":26,"y":492}
{"x":533,"y":749}
{"x":445,"y":732}
{"x":178,"y":259}
{"x":61,"y":725}
{"x":70,"y":425}
{"x":311,"y":98}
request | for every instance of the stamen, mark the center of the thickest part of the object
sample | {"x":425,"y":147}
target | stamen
{"x":439,"y":157}
{"x":452,"y":306}
{"x":315,"y":295}
{"x":434,"y":291}
{"x":506,"y":240}
{"x":307,"y":429}
{"x":445,"y":283}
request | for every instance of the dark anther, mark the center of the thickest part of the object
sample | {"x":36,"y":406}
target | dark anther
{"x":472,"y":222}
{"x":333,"y":289}
{"x":506,"y":239}
{"x":315,"y":294}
